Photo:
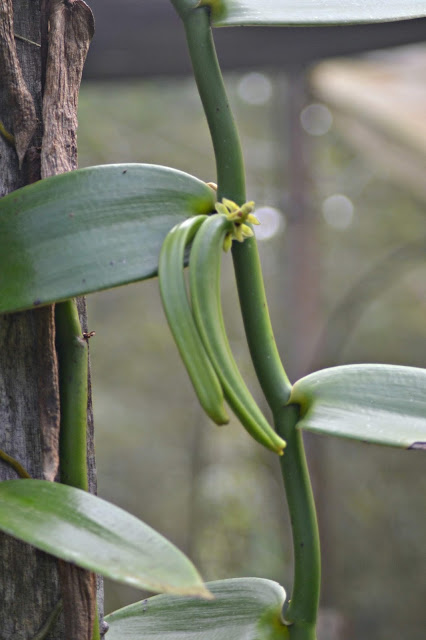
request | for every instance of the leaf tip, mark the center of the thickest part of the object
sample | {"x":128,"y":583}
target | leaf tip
{"x":206,"y":594}
{"x":200,"y":592}
{"x":418,"y":445}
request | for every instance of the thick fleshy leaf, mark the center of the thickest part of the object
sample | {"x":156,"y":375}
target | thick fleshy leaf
{"x":385,"y":404}
{"x":90,"y":229}
{"x":92,"y":533}
{"x":227,"y":13}
{"x":242,"y":609}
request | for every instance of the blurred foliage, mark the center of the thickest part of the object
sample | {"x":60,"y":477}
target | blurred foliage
{"x":211,"y":490}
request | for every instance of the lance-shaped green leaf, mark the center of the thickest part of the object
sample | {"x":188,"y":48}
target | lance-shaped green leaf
{"x":385,"y":404}
{"x":96,"y":535}
{"x":242,"y":609}
{"x":90,"y":229}
{"x":226,"y":13}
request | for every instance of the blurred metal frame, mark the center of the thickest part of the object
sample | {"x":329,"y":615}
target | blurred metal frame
{"x":145,"y":38}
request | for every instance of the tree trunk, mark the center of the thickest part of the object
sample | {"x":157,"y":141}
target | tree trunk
{"x":38,"y":102}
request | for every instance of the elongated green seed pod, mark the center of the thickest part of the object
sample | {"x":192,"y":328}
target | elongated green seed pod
{"x":181,"y":321}
{"x":204,"y":275}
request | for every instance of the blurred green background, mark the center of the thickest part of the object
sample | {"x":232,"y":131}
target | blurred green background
{"x":330,"y":217}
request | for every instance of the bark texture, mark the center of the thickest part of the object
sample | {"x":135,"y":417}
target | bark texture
{"x":71,"y":28}
{"x":44,"y":127}
{"x":21,"y":102}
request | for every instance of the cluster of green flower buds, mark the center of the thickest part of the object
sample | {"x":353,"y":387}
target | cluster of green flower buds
{"x":239,"y":216}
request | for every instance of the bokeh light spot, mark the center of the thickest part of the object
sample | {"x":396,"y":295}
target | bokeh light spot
{"x":255,"y":88}
{"x":271,"y":221}
{"x":316,"y":119}
{"x":338,"y":211}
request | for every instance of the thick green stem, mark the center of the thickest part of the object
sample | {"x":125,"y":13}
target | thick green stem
{"x":304,"y":601}
{"x":226,"y":142}
{"x":73,"y":364}
{"x":302,"y":631}
{"x":96,"y":634}
{"x":72,"y":353}
{"x":260,"y":336}
{"x":302,"y":611}
{"x":231,"y":184}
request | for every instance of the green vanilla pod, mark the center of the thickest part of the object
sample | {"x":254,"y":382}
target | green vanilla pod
{"x":204,"y":276}
{"x":181,"y":321}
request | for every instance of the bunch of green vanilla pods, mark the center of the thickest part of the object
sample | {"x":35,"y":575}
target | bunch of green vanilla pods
{"x":197,"y":323}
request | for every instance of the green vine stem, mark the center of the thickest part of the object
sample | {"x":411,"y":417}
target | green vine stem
{"x":73,"y":363}
{"x":303,"y":606}
{"x":231,"y":184}
{"x":226,"y":142}
{"x":50,"y":622}
{"x":72,"y":352}
{"x":12,"y":462}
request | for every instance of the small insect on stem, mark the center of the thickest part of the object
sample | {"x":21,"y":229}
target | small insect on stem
{"x":88,"y":335}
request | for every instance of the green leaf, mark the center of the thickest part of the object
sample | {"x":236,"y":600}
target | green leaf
{"x":90,"y":229}
{"x":378,"y":403}
{"x":227,"y":13}
{"x":242,"y":609}
{"x":92,"y":533}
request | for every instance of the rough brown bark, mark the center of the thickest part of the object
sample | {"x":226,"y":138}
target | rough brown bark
{"x":21,"y":102}
{"x":71,"y":29}
{"x":78,"y":587}
{"x":29,"y":396}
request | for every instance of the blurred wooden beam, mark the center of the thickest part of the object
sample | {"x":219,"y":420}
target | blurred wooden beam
{"x":379,"y":107}
{"x":145,"y":38}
